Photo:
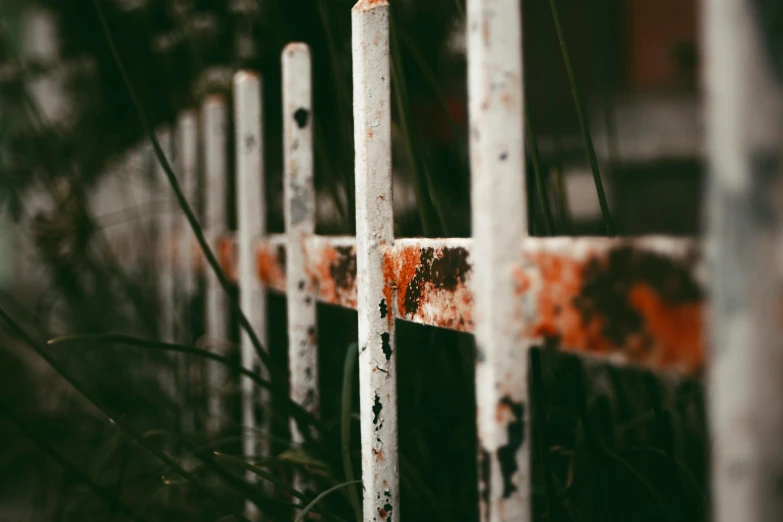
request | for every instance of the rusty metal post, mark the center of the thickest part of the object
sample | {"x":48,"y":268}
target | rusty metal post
{"x":744,"y":87}
{"x":499,"y":221}
{"x":214,"y":132}
{"x":375,"y":233}
{"x":299,"y":205}
{"x":251,"y":208}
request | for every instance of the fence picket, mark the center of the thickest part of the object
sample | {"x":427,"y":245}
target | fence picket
{"x":375,"y":233}
{"x":214,"y":132}
{"x":744,"y":88}
{"x":187,"y":162}
{"x":164,"y":233}
{"x":299,"y":206}
{"x":251,"y":224}
{"x":499,"y":219}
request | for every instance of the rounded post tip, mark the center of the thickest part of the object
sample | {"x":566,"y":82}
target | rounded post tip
{"x":367,"y":5}
{"x":245,"y":76}
{"x":296,"y":47}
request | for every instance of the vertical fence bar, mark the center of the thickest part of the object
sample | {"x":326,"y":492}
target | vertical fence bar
{"x":499,"y":222}
{"x":187,"y":160}
{"x":214,"y":131}
{"x":165,"y":241}
{"x":374,"y":233}
{"x":164,"y":230}
{"x":744,"y":87}
{"x":299,"y":197}
{"x":251,"y":208}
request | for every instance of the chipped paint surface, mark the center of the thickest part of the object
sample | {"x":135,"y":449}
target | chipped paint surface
{"x":332,"y":267}
{"x":498,"y":221}
{"x":631,"y":301}
{"x":374,"y":233}
{"x":299,"y":209}
{"x":432,"y":280}
{"x":270,"y":262}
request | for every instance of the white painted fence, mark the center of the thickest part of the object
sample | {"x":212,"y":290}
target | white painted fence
{"x":512,"y":291}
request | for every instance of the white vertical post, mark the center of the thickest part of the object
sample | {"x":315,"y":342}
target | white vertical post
{"x":187,"y":160}
{"x":214,"y":121}
{"x":744,"y":87}
{"x":164,"y":214}
{"x":251,"y":208}
{"x":299,"y":197}
{"x":164,"y":225}
{"x":375,"y":233}
{"x":499,"y":222}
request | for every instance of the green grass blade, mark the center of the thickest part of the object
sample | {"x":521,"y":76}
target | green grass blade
{"x":580,"y":113}
{"x":543,"y":200}
{"x":420,"y":183}
{"x":18,"y":331}
{"x":320,"y":497}
{"x":640,"y":479}
{"x":299,"y":413}
{"x":256,"y":470}
{"x":345,"y":424}
{"x":70,"y":468}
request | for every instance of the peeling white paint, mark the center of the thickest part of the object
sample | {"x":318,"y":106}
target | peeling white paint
{"x":499,"y":215}
{"x":299,"y":208}
{"x":374,"y":232}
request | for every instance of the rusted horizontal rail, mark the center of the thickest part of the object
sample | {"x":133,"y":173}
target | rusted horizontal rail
{"x":631,"y":301}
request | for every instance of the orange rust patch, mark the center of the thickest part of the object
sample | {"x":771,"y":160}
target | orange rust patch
{"x":227,"y":257}
{"x":269,"y":269}
{"x":676,"y":329}
{"x":399,"y":268}
{"x":522,"y":281}
{"x":336,"y":275}
{"x":431,"y":285}
{"x":640,"y":305}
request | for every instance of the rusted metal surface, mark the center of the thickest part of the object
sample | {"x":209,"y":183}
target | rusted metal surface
{"x":374,"y":232}
{"x":631,"y":301}
{"x":299,"y":210}
{"x":432,"y":280}
{"x":331,"y":267}
{"x":498,"y":220}
{"x":637,"y":301}
{"x":270,"y":262}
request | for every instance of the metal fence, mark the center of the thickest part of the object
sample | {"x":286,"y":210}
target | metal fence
{"x":637,"y":301}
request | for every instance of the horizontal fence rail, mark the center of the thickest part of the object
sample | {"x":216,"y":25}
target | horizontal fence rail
{"x":628,"y":300}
